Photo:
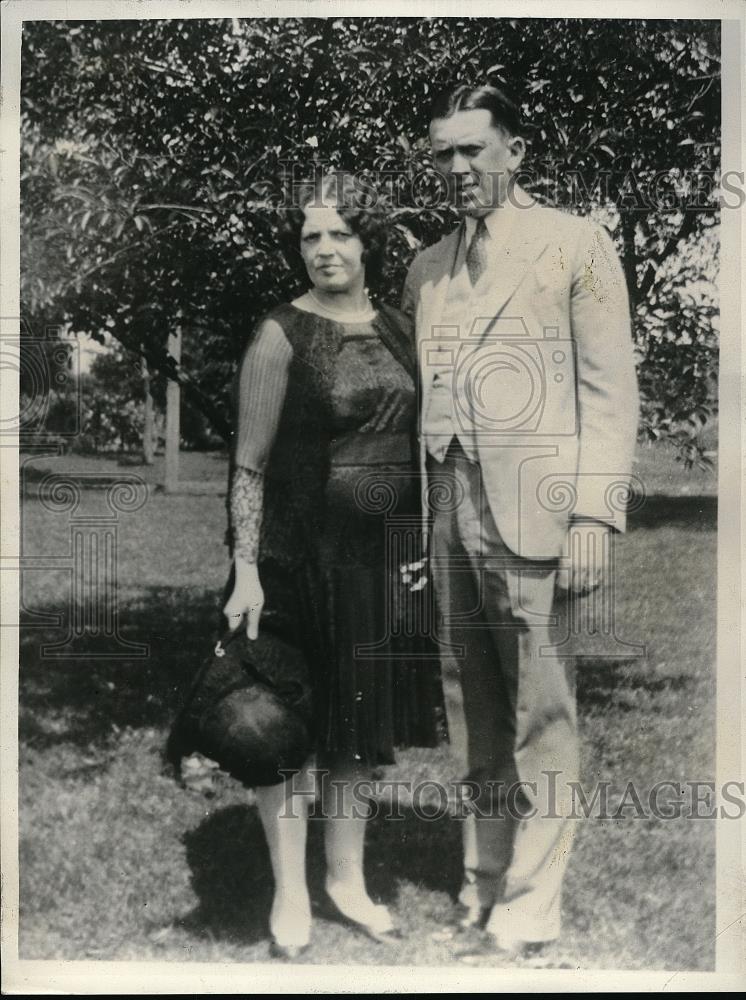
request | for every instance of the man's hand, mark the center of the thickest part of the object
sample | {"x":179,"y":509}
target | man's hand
{"x":414,"y":575}
{"x":585,"y":556}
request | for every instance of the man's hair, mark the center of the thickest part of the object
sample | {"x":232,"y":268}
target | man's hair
{"x":505,"y":112}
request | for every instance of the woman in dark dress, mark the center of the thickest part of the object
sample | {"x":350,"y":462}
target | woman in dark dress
{"x":324,"y":508}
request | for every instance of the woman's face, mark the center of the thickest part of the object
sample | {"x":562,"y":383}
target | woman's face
{"x":332,"y":253}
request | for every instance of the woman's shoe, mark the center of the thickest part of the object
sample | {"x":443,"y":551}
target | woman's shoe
{"x":289,"y":925}
{"x":288,"y":952}
{"x":379,"y":929}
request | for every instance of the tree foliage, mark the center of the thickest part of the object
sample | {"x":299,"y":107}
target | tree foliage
{"x":155,"y":154}
{"x":112,"y":397}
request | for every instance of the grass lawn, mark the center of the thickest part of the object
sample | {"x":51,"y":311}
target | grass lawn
{"x":118,"y":862}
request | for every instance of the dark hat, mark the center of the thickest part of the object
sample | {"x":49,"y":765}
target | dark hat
{"x":243,"y":715}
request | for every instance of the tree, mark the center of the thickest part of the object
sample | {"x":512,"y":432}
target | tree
{"x":114,"y":403}
{"x":155,"y":153}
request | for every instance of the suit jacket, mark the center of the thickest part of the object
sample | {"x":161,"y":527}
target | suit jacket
{"x":544,"y":375}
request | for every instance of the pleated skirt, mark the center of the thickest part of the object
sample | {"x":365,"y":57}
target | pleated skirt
{"x":375,"y":672}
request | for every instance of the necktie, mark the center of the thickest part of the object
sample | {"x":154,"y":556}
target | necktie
{"x":476,"y":254}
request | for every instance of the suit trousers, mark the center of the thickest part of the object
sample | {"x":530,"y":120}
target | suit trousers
{"x":510,"y":704}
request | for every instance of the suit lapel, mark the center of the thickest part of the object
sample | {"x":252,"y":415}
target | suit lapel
{"x":511,"y":262}
{"x":435,"y":285}
{"x":525,"y":243}
{"x":433,"y":293}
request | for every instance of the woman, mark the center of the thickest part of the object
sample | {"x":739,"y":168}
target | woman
{"x":326,"y":408}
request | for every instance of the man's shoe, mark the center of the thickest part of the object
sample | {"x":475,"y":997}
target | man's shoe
{"x":466,"y":918}
{"x":504,"y":950}
{"x":475,"y":916}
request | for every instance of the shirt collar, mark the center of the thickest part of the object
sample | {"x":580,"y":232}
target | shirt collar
{"x":497,"y":223}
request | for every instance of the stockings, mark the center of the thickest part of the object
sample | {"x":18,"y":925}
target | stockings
{"x":283,"y":810}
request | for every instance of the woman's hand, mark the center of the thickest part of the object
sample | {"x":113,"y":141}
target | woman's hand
{"x":247,"y":598}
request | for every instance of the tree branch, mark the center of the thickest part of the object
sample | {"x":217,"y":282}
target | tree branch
{"x":685,"y":230}
{"x":630,"y":259}
{"x":118,"y":253}
{"x":651,"y":270}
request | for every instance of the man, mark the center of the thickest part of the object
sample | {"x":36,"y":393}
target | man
{"x":529,"y":414}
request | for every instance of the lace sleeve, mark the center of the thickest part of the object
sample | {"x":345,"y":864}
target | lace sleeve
{"x":247,"y":499}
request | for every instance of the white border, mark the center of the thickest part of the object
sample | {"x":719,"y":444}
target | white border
{"x":44,"y":977}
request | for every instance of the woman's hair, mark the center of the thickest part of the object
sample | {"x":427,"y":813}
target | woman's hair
{"x":358,"y":203}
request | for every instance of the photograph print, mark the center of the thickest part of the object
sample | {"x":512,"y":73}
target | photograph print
{"x":368,"y":436}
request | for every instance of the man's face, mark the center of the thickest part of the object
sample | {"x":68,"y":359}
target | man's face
{"x":477,"y":157}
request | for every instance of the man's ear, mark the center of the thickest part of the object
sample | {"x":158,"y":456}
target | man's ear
{"x":517,"y":146}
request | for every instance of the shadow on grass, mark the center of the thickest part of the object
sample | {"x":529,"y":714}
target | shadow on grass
{"x":698,"y":513}
{"x":232,"y":877}
{"x":600,"y":685}
{"x":89,"y":699}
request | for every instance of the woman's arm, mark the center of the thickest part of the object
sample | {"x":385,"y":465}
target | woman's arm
{"x":261,"y":396}
{"x":247,"y":503}
{"x":262,"y":384}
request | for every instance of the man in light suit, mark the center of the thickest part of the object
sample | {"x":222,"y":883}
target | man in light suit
{"x":528,"y":424}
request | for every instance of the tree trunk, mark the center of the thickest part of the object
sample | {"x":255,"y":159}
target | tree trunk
{"x":630,"y":259}
{"x":173,"y":429}
{"x":148,"y":430}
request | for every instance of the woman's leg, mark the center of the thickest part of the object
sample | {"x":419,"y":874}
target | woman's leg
{"x":284,"y":814}
{"x":346,"y":816}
